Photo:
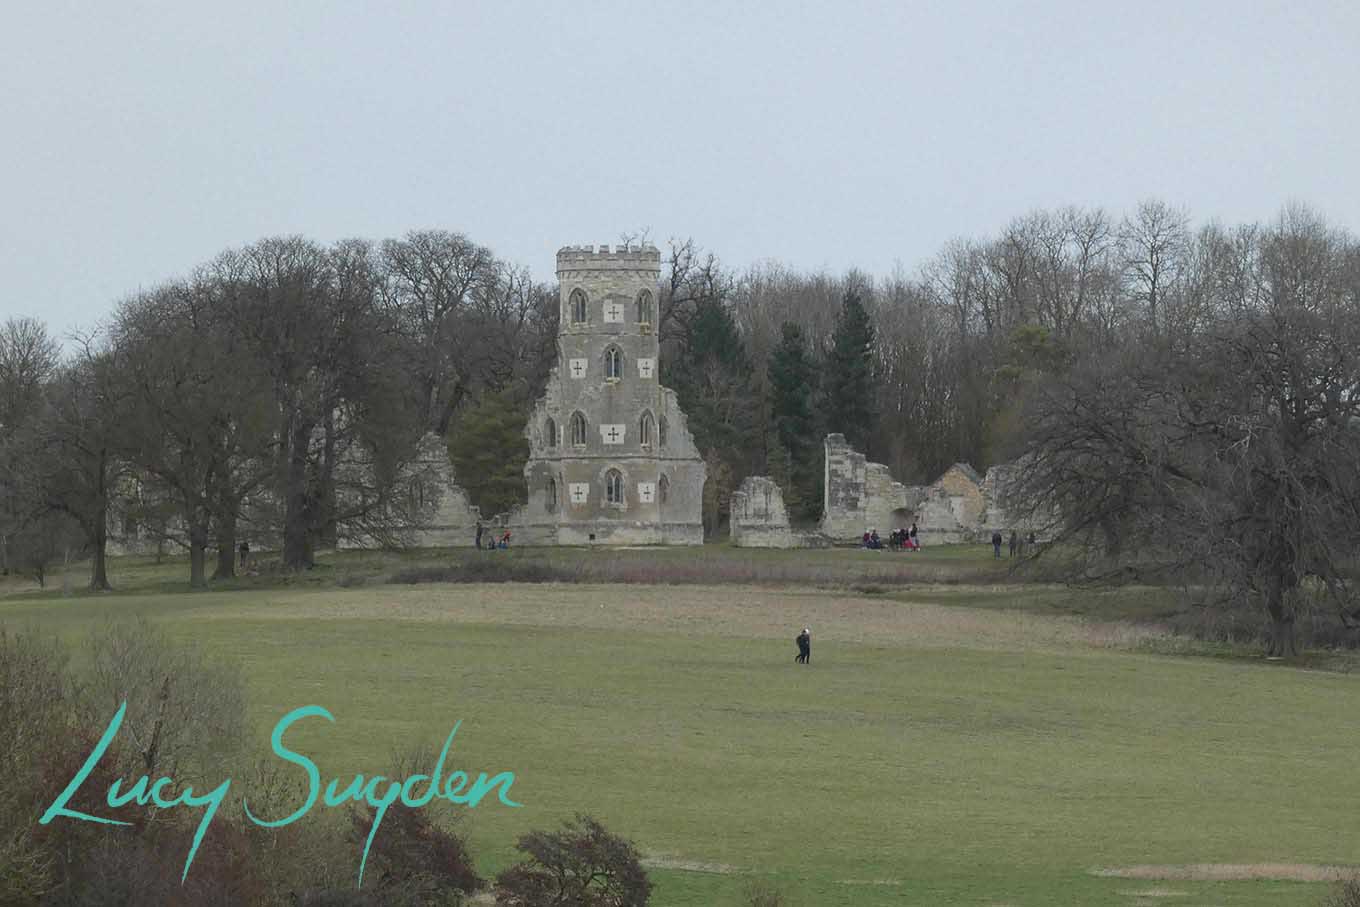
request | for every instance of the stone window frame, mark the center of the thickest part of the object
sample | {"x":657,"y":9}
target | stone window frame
{"x":646,"y":429}
{"x":663,"y":489}
{"x":613,"y":363}
{"x":550,"y":433}
{"x":614,"y":485}
{"x":578,"y":306}
{"x":661,"y":432}
{"x":550,"y":495}
{"x":579,"y":438}
{"x":644,"y":310}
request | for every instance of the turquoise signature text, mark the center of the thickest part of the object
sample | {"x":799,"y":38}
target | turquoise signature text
{"x":379,"y":792}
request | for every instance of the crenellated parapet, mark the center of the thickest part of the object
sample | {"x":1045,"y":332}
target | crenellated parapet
{"x":625,"y":257}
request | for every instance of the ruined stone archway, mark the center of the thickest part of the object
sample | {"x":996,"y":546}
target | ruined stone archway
{"x":902,"y":518}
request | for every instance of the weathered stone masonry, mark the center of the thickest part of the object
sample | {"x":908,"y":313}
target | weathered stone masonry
{"x":611,"y":458}
{"x":859,"y":496}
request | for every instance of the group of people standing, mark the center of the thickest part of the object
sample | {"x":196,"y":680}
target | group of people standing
{"x":898,"y":540}
{"x":492,"y":543}
{"x":1017,"y":546}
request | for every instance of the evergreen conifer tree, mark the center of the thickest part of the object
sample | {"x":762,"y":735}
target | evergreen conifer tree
{"x":849,"y":401}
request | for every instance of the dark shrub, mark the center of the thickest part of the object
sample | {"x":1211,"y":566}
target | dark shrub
{"x":412,"y":860}
{"x":583,"y":865}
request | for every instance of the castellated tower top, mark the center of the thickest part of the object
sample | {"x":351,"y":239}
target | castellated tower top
{"x":623,"y":257}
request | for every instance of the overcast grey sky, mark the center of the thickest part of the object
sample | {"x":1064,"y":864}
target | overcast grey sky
{"x":143,"y":138}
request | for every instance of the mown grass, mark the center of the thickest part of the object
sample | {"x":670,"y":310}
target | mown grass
{"x":982,"y":743}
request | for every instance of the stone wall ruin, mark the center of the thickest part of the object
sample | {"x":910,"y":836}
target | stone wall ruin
{"x":860,"y":496}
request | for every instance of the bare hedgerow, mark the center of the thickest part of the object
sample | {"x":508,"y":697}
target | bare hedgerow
{"x":764,"y":894}
{"x":35,"y":715}
{"x":582,"y":865}
{"x":185,"y":711}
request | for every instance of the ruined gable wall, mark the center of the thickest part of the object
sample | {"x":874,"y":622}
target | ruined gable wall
{"x":760,"y":520}
{"x":843,"y":515}
{"x":885,"y":500}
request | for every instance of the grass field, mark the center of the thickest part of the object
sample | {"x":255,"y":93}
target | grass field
{"x":959,"y":738}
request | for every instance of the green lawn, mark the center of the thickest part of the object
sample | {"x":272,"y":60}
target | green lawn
{"x":933,"y":753}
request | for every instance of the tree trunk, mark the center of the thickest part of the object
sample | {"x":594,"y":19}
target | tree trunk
{"x":99,"y":577}
{"x":297,"y":547}
{"x":1281,"y":620}
{"x":1114,"y":544}
{"x":1282,"y":637}
{"x":197,"y":548}
{"x":99,"y":538}
{"x":226,"y":543}
{"x":328,"y":534}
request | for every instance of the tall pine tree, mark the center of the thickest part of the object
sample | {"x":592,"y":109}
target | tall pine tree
{"x":487,"y":446}
{"x":712,"y":378}
{"x":849,"y":401}
{"x":795,"y":449}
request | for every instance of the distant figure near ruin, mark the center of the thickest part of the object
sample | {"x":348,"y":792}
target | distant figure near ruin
{"x":804,"y":641}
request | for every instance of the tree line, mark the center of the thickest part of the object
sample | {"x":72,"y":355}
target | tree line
{"x":281,"y":390}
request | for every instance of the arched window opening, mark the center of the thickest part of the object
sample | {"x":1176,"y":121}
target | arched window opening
{"x":661,"y":433}
{"x":644,"y":307}
{"x":550,"y":495}
{"x":663,"y":489}
{"x":613,"y":362}
{"x":578,"y":429}
{"x":613,"y":486}
{"x":646,"y":429}
{"x":578,"y":307}
{"x":550,"y":433}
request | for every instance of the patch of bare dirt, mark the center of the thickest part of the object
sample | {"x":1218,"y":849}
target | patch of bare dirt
{"x":1154,"y":893}
{"x":664,"y":862}
{"x":1228,"y":872}
{"x":726,"y":611}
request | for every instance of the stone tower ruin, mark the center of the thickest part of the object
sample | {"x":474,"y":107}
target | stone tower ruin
{"x":611,"y":459}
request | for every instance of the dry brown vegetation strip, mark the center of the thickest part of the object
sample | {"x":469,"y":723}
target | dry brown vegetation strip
{"x":727,"y":611}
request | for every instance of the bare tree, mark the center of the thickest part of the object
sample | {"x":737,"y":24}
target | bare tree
{"x":430,"y":282}
{"x":28,"y":359}
{"x":81,"y":440}
{"x":1232,"y":461}
{"x":1153,"y":244}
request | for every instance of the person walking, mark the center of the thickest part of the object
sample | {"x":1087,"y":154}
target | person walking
{"x":996,"y":542}
{"x":1015,"y":542}
{"x":481,"y":530}
{"x":804,"y":641}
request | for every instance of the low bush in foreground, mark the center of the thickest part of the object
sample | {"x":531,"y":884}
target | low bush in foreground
{"x":1346,"y":894}
{"x":183,"y":712}
{"x":583,"y":865}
